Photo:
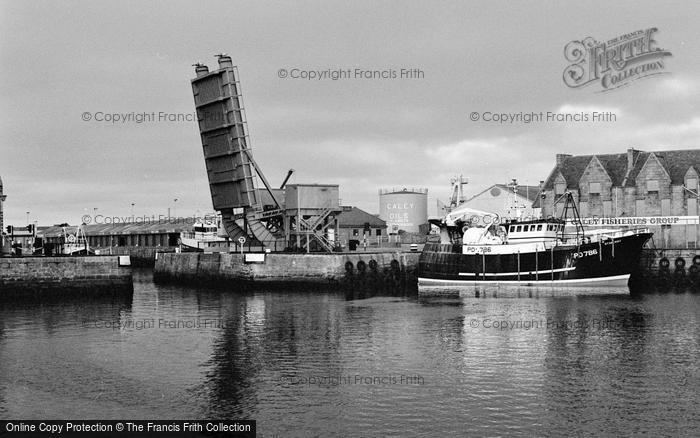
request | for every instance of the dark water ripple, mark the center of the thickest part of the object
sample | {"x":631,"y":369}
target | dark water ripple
{"x":310,"y":363}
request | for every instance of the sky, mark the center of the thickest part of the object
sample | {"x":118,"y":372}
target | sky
{"x":60,"y":60}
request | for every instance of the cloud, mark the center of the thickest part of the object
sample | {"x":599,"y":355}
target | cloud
{"x":589,"y":109}
{"x":675,"y":87}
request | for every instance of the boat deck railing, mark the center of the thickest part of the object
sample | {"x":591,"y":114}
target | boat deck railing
{"x":603,"y":234}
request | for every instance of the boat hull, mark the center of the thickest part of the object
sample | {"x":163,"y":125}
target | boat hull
{"x":606,"y":263}
{"x":614,"y":281}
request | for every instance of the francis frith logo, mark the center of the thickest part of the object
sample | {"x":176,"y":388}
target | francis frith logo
{"x":614,"y":63}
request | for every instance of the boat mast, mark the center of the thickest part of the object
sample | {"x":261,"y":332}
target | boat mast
{"x":569,"y":203}
{"x":514,"y":186}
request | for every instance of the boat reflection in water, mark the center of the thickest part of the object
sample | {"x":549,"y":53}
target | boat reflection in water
{"x":321,"y":362}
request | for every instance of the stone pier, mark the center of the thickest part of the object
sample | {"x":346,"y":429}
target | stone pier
{"x":44,"y":277}
{"x":226,"y":269}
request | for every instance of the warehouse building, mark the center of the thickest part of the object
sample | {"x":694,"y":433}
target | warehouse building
{"x":121,"y":235}
{"x":656,"y":190}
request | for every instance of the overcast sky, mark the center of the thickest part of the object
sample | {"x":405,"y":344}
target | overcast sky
{"x":61,"y":59}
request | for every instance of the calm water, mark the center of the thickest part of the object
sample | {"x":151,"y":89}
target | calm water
{"x":328,"y":364}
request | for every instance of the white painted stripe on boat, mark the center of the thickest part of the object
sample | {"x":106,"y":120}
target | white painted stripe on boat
{"x":596,"y":281}
{"x":515,"y":274}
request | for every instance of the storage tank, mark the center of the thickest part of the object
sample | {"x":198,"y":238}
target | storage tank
{"x":403,"y":209}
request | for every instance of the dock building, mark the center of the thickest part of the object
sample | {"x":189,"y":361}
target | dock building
{"x":507,"y":200}
{"x":356,"y":226}
{"x":658,"y":190}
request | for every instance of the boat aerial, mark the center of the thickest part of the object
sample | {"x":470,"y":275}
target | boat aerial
{"x":480,"y":248}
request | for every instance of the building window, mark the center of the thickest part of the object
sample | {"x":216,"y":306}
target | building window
{"x":607,"y":208}
{"x":692,"y":183}
{"x":665,"y":207}
{"x":653,"y":186}
{"x":559,"y":188}
{"x":594,"y":188}
{"x":355,"y":232}
{"x":378,"y":232}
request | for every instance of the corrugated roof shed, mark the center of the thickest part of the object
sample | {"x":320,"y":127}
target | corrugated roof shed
{"x":120,"y":229}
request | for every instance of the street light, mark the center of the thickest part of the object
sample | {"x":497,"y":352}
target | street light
{"x":174,"y":205}
{"x":132,"y":209}
{"x":27,"y":218}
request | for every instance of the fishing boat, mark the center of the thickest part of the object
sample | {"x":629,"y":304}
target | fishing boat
{"x":480,"y":248}
{"x":204,"y":236}
{"x":74,"y":242}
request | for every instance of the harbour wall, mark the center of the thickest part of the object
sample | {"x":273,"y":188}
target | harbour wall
{"x":144,"y":256}
{"x":668,"y":267}
{"x":658,"y":268}
{"x":376,"y":270}
{"x":49,"y":276}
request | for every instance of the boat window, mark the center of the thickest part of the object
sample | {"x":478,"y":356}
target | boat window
{"x":539,"y":228}
{"x":511,"y":229}
{"x":519,"y":228}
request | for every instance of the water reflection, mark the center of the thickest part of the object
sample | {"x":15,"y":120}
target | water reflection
{"x":343,"y":362}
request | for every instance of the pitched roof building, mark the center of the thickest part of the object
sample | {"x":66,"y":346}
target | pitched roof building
{"x":354,"y":217}
{"x":351,"y":225}
{"x":500,"y":199}
{"x":633,"y":184}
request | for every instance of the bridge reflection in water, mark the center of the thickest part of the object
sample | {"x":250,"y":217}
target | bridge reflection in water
{"x":330,"y":362}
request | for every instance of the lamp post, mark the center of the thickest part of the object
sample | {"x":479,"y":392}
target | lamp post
{"x":27,"y":218}
{"x":174,"y":205}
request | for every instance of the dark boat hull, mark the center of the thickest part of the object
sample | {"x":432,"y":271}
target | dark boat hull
{"x":607,"y":263}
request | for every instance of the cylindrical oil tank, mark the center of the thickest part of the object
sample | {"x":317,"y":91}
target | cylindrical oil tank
{"x":403,"y":209}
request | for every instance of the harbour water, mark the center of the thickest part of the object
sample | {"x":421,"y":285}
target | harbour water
{"x":333,"y":363}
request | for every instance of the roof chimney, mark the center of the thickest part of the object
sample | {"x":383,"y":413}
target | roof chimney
{"x":630,"y":158}
{"x":561,"y":158}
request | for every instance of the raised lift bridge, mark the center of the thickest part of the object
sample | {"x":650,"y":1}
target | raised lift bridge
{"x":256,"y":214}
